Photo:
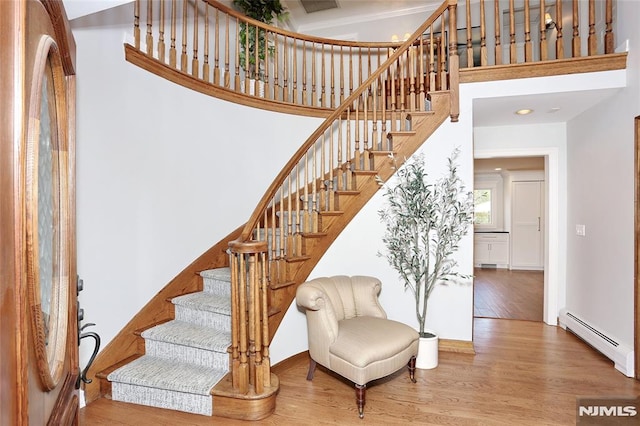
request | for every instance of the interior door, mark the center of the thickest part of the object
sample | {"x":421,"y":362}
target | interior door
{"x":38,"y":289}
{"x":527,"y":241}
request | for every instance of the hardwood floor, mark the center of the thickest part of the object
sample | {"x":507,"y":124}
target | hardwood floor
{"x":523,"y":373}
{"x":502,"y":293}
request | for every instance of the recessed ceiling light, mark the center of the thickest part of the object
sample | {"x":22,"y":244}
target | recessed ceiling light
{"x":554,"y":109}
{"x":497,"y":169}
{"x":524,"y":111}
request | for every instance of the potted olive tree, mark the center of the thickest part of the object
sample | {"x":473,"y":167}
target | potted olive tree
{"x":252,"y":39}
{"x":424,"y":222}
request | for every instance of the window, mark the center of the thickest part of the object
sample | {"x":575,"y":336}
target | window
{"x":488,"y":203}
{"x":482,"y":214}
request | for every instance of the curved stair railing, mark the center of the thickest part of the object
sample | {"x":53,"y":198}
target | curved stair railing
{"x":202,"y":39}
{"x":341,"y":163}
{"x":198,"y":43}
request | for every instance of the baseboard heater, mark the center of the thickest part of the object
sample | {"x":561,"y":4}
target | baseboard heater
{"x":621,"y":355}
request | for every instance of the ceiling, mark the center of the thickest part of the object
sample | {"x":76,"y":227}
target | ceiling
{"x":548,"y":108}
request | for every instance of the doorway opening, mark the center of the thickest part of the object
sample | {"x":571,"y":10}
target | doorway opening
{"x":515,"y":162}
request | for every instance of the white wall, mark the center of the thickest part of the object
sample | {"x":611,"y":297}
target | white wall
{"x":163,"y":173}
{"x":600,"y":283}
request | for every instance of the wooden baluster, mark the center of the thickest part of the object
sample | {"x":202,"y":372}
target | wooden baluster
{"x":216,"y":49}
{"x":266,"y":62}
{"x":484,"y":58}
{"x":314,"y":191}
{"x":369,"y":72}
{"x":608,"y":34}
{"x":443,"y":57}
{"x":497,"y":24}
{"x":183,"y":57}
{"x":227,"y":56}
{"x":304,"y":72}
{"x":172,"y":49}
{"x":349,"y":175}
{"x":255,"y":72}
{"x":403,"y":81}
{"x":576,"y":50}
{"x":320,"y":179}
{"x":305,"y":204}
{"x":357,"y":157}
{"x":235,"y":321}
{"x":243,"y":369}
{"x":251,"y":321}
{"x":314,"y":94}
{"x":276,"y":76}
{"x":543,"y":33}
{"x":294,"y":47}
{"x":432,"y":61}
{"x":289,"y":229}
{"x":323,"y":94}
{"x":383,"y":112}
{"x":340,"y":177}
{"x":161,"y":44}
{"x":333,"y":90}
{"x":351,"y":75}
{"x":359,"y":71}
{"x":195,"y":65}
{"x":592,"y":42}
{"x":330,"y":188}
{"x":512,"y":34}
{"x":279,"y":237}
{"x":266,"y":358}
{"x":393,"y":81}
{"x":421,"y":89}
{"x":298,"y":213}
{"x":366,"y":160}
{"x":470,"y":63}
{"x":454,"y":75}
{"x":256,"y":305}
{"x":136,"y":24}
{"x":559,"y":40}
{"x":342,"y":75}
{"x":411,"y":58}
{"x":205,"y":65}
{"x":374,"y":118}
{"x":528,"y":50}
{"x":237,"y":61}
{"x":285,"y":68}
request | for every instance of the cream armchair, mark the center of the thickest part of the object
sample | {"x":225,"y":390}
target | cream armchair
{"x":349,"y":332}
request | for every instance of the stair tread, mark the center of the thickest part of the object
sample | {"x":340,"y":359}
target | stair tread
{"x":205,"y":302}
{"x":220,"y":274}
{"x":168,"y":375}
{"x":187,"y":334}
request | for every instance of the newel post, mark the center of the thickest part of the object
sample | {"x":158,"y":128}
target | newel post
{"x":250,"y":364}
{"x":454,"y":62}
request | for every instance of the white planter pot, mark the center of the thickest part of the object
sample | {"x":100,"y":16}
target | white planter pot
{"x":427,"y":353}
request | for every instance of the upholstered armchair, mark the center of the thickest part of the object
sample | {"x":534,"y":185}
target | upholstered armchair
{"x":349,"y":332}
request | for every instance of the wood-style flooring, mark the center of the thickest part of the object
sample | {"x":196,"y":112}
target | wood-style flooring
{"x":501,"y":293}
{"x":523,"y":373}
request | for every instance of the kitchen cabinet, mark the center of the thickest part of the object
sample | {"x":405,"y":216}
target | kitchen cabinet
{"x":491,"y":248}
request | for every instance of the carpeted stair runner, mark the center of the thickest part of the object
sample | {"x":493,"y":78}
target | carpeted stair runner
{"x":186,"y":357}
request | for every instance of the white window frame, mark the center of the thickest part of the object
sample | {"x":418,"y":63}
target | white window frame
{"x":494,"y":183}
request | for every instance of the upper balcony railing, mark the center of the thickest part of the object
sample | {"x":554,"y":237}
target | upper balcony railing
{"x":212,"y":48}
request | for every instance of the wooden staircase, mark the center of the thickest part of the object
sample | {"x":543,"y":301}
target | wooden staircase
{"x":320,"y":190}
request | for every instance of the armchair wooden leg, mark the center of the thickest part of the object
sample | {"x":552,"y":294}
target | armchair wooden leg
{"x":312,"y":369}
{"x":360,"y":398}
{"x":412,"y":369}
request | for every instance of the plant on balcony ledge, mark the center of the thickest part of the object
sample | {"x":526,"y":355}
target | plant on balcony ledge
{"x":264,"y":11}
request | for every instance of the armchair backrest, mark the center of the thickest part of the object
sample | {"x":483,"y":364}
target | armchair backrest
{"x":329,"y":300}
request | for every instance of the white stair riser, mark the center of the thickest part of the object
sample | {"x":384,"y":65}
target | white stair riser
{"x":181,"y":353}
{"x":160,"y":398}
{"x":206,"y":319}
{"x":214,"y":286}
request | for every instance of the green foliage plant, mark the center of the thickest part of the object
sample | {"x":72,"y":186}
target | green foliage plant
{"x":424,"y":223}
{"x":252,"y":37}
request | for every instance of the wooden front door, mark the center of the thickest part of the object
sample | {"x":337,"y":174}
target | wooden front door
{"x":38,"y":299}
